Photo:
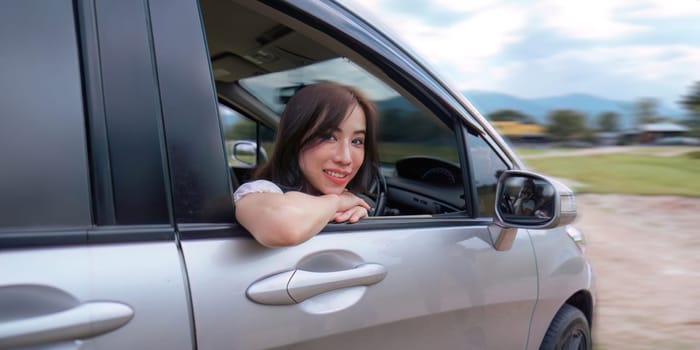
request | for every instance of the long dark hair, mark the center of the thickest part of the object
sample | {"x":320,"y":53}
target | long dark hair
{"x":310,"y":114}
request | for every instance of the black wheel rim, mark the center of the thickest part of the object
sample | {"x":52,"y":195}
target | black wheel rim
{"x":575,"y":339}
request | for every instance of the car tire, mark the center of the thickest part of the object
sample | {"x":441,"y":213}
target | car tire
{"x":569,"y":330}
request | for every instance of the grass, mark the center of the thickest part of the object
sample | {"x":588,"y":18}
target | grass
{"x":693,"y":155}
{"x":629,"y":173}
{"x":658,"y":150}
{"x":532,"y":151}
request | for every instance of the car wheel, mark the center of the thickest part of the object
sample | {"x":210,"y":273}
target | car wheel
{"x":568,"y":331}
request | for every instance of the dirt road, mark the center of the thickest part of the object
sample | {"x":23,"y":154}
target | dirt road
{"x":646,"y":254}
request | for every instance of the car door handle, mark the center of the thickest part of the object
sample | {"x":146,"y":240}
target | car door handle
{"x":83,"y":321}
{"x":295,"y":286}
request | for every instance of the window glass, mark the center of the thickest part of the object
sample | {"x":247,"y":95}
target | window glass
{"x":44,"y":176}
{"x":247,"y":143}
{"x":406,"y":131}
{"x":488,"y":167}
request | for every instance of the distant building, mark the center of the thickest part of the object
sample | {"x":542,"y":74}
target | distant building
{"x":655,"y":131}
{"x":648,"y":133}
{"x":519,"y":132}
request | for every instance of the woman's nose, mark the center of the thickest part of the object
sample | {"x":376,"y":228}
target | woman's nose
{"x":342,"y":153}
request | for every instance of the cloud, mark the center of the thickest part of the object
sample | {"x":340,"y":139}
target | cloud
{"x":483,"y":35}
{"x":644,"y":62}
{"x":464,"y":6}
{"x":660,"y":9}
{"x":465,"y":46}
{"x":587,"y":20}
{"x":625,"y":72}
{"x":620,"y":48}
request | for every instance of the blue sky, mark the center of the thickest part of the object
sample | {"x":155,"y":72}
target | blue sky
{"x":618,"y":49}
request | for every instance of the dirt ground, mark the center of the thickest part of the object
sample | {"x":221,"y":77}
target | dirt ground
{"x":645,"y":251}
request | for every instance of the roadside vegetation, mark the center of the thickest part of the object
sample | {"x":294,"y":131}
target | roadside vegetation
{"x":533,"y":151}
{"x":626,"y":173}
{"x":571,"y":127}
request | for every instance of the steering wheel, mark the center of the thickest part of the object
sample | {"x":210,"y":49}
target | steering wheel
{"x":377,"y":192}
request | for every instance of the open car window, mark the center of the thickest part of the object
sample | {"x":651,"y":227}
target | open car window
{"x":404,"y":129}
{"x":418,"y":151}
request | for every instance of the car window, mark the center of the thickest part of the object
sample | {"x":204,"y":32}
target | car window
{"x":488,"y":167}
{"x":44,"y":176}
{"x":247,"y":143}
{"x":417,"y":151}
{"x":258,"y":64}
{"x":404,"y":129}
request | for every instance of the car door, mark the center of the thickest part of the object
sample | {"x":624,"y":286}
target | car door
{"x":88,"y":257}
{"x":406,"y":282}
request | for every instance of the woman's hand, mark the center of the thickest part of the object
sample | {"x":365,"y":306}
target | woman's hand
{"x":351,"y":215}
{"x":351,"y":208}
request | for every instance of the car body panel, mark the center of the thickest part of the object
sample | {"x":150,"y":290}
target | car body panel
{"x":146,"y":277}
{"x":562,"y":272}
{"x":447,"y":287}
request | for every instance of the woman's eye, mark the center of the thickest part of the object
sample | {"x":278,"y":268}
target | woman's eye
{"x":328,"y":137}
{"x":358,"y":142}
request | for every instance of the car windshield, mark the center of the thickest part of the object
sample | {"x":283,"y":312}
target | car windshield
{"x":274,"y":89}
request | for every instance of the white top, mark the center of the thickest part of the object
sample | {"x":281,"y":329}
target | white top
{"x":257,"y":186}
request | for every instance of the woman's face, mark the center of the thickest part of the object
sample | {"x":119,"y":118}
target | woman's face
{"x":330,"y":165}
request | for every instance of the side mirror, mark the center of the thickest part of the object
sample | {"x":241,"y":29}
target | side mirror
{"x":247,"y":154}
{"x":527,"y":200}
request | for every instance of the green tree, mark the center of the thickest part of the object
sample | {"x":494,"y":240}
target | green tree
{"x":645,"y":110}
{"x":608,"y":121}
{"x":243,"y":129}
{"x":566,"y":124}
{"x":691,"y":103}
{"x":510,"y":115}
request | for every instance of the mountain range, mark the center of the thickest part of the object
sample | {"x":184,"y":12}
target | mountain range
{"x":538,"y":108}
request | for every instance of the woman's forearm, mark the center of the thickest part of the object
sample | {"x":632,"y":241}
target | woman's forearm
{"x":277,"y":220}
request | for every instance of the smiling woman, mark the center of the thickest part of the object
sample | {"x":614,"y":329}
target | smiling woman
{"x":333,"y":160}
{"x":325,"y":149}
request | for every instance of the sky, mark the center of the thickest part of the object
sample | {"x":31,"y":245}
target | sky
{"x":617,"y":49}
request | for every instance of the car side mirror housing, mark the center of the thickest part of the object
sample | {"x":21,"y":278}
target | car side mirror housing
{"x":247,"y":154}
{"x":531,"y":201}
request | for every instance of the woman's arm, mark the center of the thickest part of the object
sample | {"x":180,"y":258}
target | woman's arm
{"x":278,"y":220}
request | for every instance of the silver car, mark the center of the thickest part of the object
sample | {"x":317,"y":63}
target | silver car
{"x":127,"y":125}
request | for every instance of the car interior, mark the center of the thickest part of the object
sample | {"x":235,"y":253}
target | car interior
{"x":257,"y":62}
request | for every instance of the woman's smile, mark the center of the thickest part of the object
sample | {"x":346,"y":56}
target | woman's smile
{"x":337,"y":177}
